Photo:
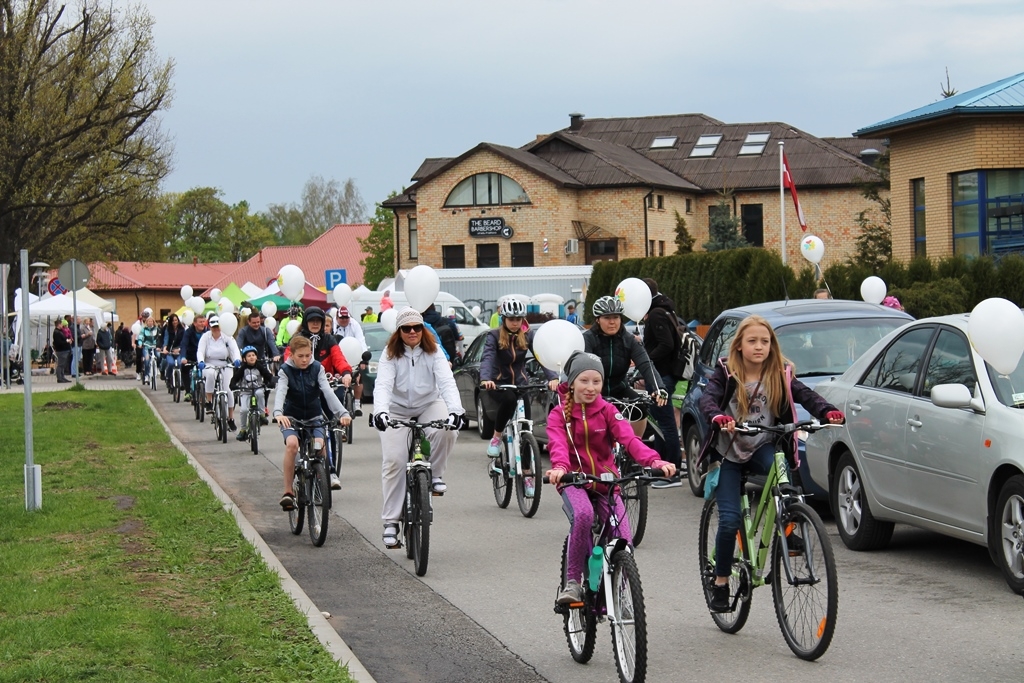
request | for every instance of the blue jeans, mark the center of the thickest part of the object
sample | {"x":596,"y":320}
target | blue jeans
{"x":730,"y":518}
{"x":668,"y":447}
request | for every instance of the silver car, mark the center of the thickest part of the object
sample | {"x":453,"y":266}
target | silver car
{"x":933,"y":439}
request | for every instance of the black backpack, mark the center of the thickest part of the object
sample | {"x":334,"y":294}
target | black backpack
{"x":103,"y":339}
{"x":688,"y":346}
{"x":444,"y":331}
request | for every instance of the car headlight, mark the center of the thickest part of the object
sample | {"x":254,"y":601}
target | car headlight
{"x":372,"y":368}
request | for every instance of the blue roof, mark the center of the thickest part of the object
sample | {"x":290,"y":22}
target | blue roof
{"x":1001,"y":97}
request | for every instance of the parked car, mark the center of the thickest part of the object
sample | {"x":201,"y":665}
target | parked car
{"x":822,"y":337}
{"x":933,"y":439}
{"x":376,"y":338}
{"x":467,"y":376}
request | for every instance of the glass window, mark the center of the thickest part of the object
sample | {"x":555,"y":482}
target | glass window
{"x":1004,"y":183}
{"x":897,"y":368}
{"x":965,"y":219}
{"x":752,"y":217}
{"x":661,"y":201}
{"x":706,"y":146}
{"x":487,"y":256}
{"x":754,"y":143}
{"x":484,"y":185}
{"x":708,"y":345}
{"x":720,"y":346}
{"x":487,"y":189}
{"x":950,"y":363}
{"x":689,"y":206}
{"x":462,"y":195}
{"x":453,"y":256}
{"x":1009,"y":388}
{"x":965,"y":187}
{"x":512,"y":192}
{"x":663,"y":142}
{"x":476,"y":350}
{"x":414,"y":243}
{"x":917,"y":192}
{"x":830,"y":347}
{"x":522,"y":254}
{"x":661,"y":247}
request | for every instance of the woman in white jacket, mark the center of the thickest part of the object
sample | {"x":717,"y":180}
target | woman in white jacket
{"x":220,"y":352}
{"x":414,"y":380}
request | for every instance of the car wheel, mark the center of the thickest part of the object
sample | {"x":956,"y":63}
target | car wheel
{"x":857,"y":526}
{"x":484,"y":427}
{"x":1007,"y":535}
{"x":694,"y":475}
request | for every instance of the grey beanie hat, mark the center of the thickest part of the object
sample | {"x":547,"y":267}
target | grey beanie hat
{"x":581,"y":361}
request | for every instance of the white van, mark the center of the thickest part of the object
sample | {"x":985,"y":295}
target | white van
{"x":468,"y":325}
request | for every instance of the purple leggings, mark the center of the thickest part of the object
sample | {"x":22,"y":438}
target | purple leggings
{"x":579,"y":506}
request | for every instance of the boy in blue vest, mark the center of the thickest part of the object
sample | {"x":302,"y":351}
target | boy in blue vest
{"x":300,"y":384}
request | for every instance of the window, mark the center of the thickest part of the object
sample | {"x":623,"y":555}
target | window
{"x":689,"y":205}
{"x":950,"y":363}
{"x":752,"y":217}
{"x":661,"y":202}
{"x":988,"y":212}
{"x":661,"y":247}
{"x":917,"y":194}
{"x":754,"y":143}
{"x":650,"y":247}
{"x":414,"y":244}
{"x":487,"y":256}
{"x":453,"y":256}
{"x":650,"y":201}
{"x":897,"y":368}
{"x":664,"y":142}
{"x":487,"y":189}
{"x":602,"y":250}
{"x":522,"y":254}
{"x":706,"y":146}
{"x":720,"y":345}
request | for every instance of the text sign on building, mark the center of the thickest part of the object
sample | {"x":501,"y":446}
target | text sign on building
{"x":489,"y":227}
{"x":333,"y":278}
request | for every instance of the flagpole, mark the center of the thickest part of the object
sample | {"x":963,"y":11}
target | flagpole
{"x":782,"y":203}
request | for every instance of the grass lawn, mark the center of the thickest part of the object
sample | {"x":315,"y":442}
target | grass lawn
{"x":131,"y":571}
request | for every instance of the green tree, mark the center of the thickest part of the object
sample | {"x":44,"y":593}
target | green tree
{"x":81,"y":151}
{"x":724,"y":228}
{"x":379,"y":247}
{"x":248,"y":233}
{"x":200,"y":226}
{"x":874,"y":241}
{"x":325,"y":203}
{"x":684,"y":240}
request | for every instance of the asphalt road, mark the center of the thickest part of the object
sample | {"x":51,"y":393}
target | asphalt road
{"x":928,"y":608}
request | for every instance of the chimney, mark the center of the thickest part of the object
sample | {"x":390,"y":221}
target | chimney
{"x":261,"y":256}
{"x":195,"y":260}
{"x":575,"y":121}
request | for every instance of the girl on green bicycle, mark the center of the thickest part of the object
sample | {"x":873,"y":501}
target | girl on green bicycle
{"x":581,"y":434}
{"x":768,"y":396}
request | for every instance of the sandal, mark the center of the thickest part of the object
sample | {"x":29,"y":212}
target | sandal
{"x":288,"y":502}
{"x":438,"y":487}
{"x":390,"y":537}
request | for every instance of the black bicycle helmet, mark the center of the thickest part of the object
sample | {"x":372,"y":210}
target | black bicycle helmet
{"x":294,"y":311}
{"x":314,"y":313}
{"x":607,"y":305}
{"x":512,"y":308}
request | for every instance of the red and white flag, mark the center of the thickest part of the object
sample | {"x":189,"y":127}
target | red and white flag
{"x":787,"y":182}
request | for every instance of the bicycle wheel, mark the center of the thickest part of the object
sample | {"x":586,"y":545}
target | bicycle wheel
{"x":807,"y":597}
{"x":338,"y":447}
{"x":152,"y":372}
{"x":629,"y":619}
{"x":500,"y":481}
{"x":634,"y":497}
{"x":222,"y":416}
{"x":176,"y":381}
{"x":420,"y":532}
{"x":319,"y":503}
{"x":530,"y":458}
{"x":254,"y":429}
{"x":350,"y":406}
{"x":579,"y":623}
{"x":297,"y":515}
{"x":730,"y":622}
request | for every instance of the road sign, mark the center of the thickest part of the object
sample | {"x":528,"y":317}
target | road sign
{"x":73,"y":274}
{"x":55,"y":287}
{"x":333,"y":278}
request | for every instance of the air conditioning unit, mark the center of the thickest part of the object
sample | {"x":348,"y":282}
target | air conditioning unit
{"x":572,"y":246}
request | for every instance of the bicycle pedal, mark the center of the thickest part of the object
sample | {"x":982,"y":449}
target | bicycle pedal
{"x":437,"y":494}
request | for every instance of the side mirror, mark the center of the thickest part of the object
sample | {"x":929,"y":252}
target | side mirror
{"x":955,"y":396}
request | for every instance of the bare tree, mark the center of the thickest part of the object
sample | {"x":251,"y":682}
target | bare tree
{"x":325,"y":203}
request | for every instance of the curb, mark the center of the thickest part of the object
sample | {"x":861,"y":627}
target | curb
{"x":318,"y":624}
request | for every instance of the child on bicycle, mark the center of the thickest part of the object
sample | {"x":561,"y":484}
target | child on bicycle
{"x":769,"y":390}
{"x":248,"y":379}
{"x":581,"y":434}
{"x":300,"y":384}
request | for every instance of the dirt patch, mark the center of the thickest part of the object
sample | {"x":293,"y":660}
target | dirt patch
{"x":62,"y":405}
{"x":129,"y":526}
{"x":124,"y":502}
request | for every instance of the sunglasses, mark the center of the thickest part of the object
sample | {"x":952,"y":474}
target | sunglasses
{"x":343,"y":317}
{"x":412,"y":329}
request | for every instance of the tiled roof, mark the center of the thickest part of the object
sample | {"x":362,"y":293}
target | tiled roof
{"x":336,"y":248}
{"x":133,"y":275}
{"x":855,"y":146}
{"x":430,"y":165}
{"x":1002,"y":97}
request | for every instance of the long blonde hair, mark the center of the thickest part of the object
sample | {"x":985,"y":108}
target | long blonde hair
{"x":506,"y":338}
{"x":772,"y":370}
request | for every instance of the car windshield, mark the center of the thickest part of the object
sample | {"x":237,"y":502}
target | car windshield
{"x":462,"y":315}
{"x":1009,"y":388}
{"x":829,"y":347}
{"x":376,"y":339}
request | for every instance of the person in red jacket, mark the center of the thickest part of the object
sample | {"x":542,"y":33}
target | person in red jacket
{"x":325,"y":348}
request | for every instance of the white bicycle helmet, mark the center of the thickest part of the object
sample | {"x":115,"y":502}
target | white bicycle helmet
{"x":607,"y":305}
{"x":512,"y":308}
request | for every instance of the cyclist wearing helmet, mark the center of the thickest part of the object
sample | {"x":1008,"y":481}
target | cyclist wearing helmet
{"x":504,"y":362}
{"x":609,"y":340}
{"x":283,"y":335}
{"x":248,"y":379}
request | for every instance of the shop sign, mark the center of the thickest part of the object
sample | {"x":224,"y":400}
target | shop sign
{"x":489,"y":227}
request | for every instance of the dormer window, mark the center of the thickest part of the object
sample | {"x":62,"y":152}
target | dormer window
{"x":487,"y":189}
{"x":754,"y":144}
{"x":664,"y":142}
{"x":706,"y":146}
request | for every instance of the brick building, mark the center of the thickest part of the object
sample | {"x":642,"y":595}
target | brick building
{"x":957,"y":173}
{"x":608,"y":189}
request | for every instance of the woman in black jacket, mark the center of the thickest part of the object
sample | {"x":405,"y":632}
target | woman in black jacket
{"x":61,"y":347}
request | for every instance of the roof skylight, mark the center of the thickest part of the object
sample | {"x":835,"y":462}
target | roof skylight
{"x":664,"y":142}
{"x":754,"y":143}
{"x":706,"y":145}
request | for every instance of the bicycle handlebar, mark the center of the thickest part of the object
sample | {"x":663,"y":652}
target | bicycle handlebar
{"x":413,"y":424}
{"x":524,"y":388}
{"x":811,"y":425}
{"x":582,"y":478}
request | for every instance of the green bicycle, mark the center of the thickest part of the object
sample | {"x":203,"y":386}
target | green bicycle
{"x":805,"y":588}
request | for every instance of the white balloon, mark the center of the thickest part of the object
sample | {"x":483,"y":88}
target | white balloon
{"x":228,"y":323}
{"x":342,"y":294}
{"x":269,"y":309}
{"x":271,"y":324}
{"x":225,"y":305}
{"x":421,"y":287}
{"x":197,"y":304}
{"x":996,"y":330}
{"x":812,"y":248}
{"x":873,"y":289}
{"x":635,"y":296}
{"x":475,"y":311}
{"x":292,"y":327}
{"x":186,"y":292}
{"x":556,"y":340}
{"x":352,"y":350}
{"x":136,"y":328}
{"x":245,"y":313}
{"x":188,"y":317}
{"x":332,"y":312}
{"x":389,"y":320}
{"x":215,"y":295}
{"x":291,"y":282}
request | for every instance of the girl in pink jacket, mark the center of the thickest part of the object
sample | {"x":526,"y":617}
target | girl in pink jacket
{"x":581,"y":434}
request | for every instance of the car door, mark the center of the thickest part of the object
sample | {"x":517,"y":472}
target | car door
{"x":877,"y":408}
{"x":943,"y":444}
{"x":714,"y":346}
{"x":467,"y":375}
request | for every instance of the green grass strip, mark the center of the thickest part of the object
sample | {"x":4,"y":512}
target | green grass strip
{"x":132,"y":570}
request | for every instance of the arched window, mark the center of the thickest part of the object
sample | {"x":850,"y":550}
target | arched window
{"x":487,"y":189}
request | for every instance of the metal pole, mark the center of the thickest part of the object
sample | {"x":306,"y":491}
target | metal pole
{"x":5,"y":363}
{"x":782,"y":201}
{"x":76,"y":352}
{"x":33,"y":473}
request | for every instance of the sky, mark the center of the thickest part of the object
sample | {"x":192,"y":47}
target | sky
{"x":268,"y":94}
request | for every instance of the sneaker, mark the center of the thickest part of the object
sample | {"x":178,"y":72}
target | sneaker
{"x":208,"y":406}
{"x":242,"y":435}
{"x":264,"y":421}
{"x":528,"y":487}
{"x":672,"y":483}
{"x":232,"y":426}
{"x":795,"y":544}
{"x":571,"y":594}
{"x":438,"y":487}
{"x":390,"y":537}
{"x":494,"y":447}
{"x":188,"y":398}
{"x":720,"y":602}
{"x":335,"y":482}
{"x":357,"y":408}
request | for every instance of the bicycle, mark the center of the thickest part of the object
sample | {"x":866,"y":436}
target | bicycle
{"x":348,"y":399}
{"x":151,"y":371}
{"x":339,"y":433}
{"x":519,"y":454}
{"x":311,"y":485}
{"x":219,"y":416}
{"x":634,"y":492}
{"x":612,"y":587}
{"x":803,"y":578}
{"x":417,"y":513}
{"x":253,"y":417}
{"x":198,"y":392}
{"x":175,"y":376}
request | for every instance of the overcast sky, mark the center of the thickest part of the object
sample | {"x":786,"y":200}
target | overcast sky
{"x":267,"y":94}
